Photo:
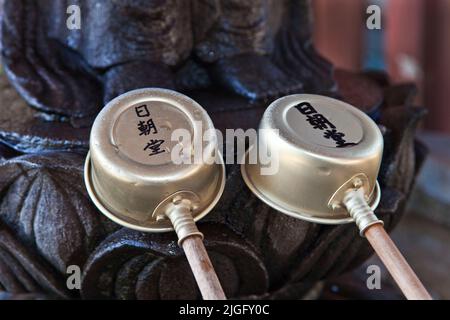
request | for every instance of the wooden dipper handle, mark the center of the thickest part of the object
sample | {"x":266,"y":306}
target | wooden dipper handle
{"x":396,"y":264}
{"x":202,"y":268}
{"x":191,"y":240}
{"x":372,"y":228}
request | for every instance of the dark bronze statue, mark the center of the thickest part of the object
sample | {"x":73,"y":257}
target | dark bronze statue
{"x":233,"y":57}
{"x":257,"y":49}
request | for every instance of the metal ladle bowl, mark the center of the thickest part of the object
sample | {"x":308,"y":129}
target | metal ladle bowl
{"x":328,"y":155}
{"x":154,"y":166}
{"x":130,"y":173}
{"x":323,"y":147}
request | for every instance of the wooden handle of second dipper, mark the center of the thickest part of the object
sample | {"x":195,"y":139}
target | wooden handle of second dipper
{"x":202,"y":268}
{"x":396,"y":264}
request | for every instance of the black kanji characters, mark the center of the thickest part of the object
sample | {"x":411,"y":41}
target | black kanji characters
{"x":305,"y":108}
{"x":333,"y":134}
{"x":154,"y":145}
{"x":142,"y":111}
{"x":147,"y":127}
{"x":338,"y":137}
{"x":318,"y":121}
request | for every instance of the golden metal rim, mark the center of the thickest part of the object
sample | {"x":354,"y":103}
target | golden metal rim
{"x":113,"y":217}
{"x":300,"y":215}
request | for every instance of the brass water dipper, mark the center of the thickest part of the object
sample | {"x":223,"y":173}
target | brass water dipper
{"x":328,"y":155}
{"x":141,"y":178}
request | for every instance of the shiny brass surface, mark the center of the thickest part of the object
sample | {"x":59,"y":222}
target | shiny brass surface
{"x":129,"y":172}
{"x":324,"y":148}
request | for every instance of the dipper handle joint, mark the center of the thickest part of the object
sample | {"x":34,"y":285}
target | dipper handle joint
{"x":183,"y":222}
{"x":359,"y":210}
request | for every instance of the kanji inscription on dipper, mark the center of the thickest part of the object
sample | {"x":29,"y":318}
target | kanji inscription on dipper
{"x":147,"y":127}
{"x":319,"y":122}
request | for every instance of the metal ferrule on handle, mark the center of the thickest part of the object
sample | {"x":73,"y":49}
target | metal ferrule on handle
{"x":183,"y":223}
{"x":359,"y":210}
